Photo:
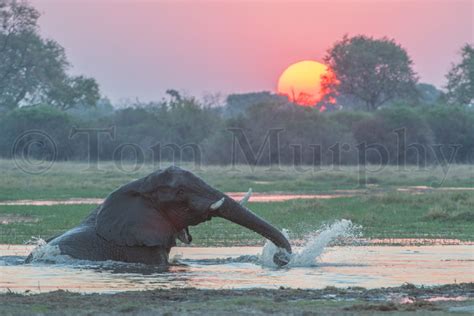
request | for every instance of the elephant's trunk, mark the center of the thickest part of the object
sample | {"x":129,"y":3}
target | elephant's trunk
{"x":234,"y":212}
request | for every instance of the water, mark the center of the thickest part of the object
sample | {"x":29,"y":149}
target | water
{"x":256,"y":197}
{"x":314,"y":244}
{"x":320,"y":262}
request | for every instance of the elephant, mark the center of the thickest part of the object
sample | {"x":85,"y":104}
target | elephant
{"x":140,"y":221}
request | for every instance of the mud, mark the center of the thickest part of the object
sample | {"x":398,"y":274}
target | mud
{"x":423,"y":189}
{"x":283,"y":301}
{"x":6,"y":219}
{"x":414,"y":242}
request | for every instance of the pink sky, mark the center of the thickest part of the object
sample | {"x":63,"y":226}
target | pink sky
{"x":137,"y":48}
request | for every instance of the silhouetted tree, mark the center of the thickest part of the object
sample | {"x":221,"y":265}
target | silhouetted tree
{"x":461,"y":79}
{"x":33,"y":69}
{"x":74,"y":91}
{"x":238,"y":103}
{"x":374,"y":71}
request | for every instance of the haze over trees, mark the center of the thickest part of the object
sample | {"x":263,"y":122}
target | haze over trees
{"x":33,"y":70}
{"x":372,"y":71}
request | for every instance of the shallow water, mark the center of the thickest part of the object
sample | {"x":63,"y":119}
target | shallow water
{"x":316,"y":264}
{"x":240,"y":267}
{"x":256,"y":197}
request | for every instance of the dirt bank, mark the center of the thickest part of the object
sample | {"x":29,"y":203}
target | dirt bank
{"x":406,"y":299}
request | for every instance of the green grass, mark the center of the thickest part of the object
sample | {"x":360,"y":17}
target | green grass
{"x":382,"y":212}
{"x":388,"y":215}
{"x":75,"y":179}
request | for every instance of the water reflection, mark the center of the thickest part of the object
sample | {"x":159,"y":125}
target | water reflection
{"x":256,"y":197}
{"x":238,"y":267}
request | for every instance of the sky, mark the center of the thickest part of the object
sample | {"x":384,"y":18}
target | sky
{"x":137,"y":49}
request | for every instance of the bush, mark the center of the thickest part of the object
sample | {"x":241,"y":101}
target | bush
{"x":27,"y":121}
{"x":453,"y":126}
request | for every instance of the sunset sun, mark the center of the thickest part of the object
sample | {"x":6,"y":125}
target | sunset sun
{"x":301,"y":82}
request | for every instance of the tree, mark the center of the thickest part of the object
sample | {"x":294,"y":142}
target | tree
{"x":17,"y":17}
{"x":237,"y":104}
{"x":33,"y":70}
{"x":74,"y":91}
{"x":428,"y":94}
{"x":461,"y":79}
{"x":374,"y":71}
{"x":54,"y":123}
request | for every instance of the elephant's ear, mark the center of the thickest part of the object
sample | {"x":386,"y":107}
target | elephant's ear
{"x":128,"y":219}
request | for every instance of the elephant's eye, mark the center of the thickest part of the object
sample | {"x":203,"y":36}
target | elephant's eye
{"x":180,"y":193}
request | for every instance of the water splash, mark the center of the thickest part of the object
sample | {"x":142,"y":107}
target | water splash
{"x":307,"y":256}
{"x":44,"y":252}
{"x":36,"y":241}
{"x":314,"y":245}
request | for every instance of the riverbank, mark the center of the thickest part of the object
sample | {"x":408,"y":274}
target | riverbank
{"x":82,"y":180}
{"x":385,"y":215}
{"x":406,"y":300}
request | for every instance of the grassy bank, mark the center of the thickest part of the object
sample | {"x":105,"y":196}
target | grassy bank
{"x":74,"y":179}
{"x":381,"y":211}
{"x":386,"y":215}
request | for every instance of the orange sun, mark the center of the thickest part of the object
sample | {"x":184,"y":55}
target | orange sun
{"x":301,"y":82}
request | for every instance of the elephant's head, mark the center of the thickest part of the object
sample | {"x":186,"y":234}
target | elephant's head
{"x":157,"y":209}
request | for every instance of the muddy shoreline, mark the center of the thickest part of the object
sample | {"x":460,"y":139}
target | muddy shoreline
{"x":258,"y":196}
{"x":406,"y":299}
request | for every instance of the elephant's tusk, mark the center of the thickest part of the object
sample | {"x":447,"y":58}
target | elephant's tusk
{"x":246,"y":197}
{"x":216,"y":205}
{"x":184,"y":236}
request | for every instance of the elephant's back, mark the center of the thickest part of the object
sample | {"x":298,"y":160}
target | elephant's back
{"x":82,"y":242}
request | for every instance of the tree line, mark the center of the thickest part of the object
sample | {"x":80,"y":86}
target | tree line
{"x":33,"y":69}
{"x":375,"y":112}
{"x":275,"y":131}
